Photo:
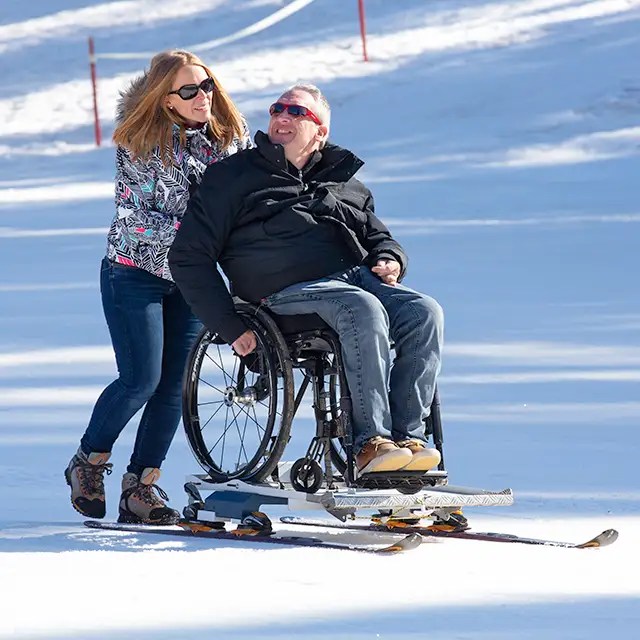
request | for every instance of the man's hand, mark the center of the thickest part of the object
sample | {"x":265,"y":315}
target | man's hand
{"x":388,"y":271}
{"x":245,"y":344}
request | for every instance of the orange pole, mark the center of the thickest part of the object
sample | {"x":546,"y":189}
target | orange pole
{"x":92,"y":66}
{"x":363,"y":30}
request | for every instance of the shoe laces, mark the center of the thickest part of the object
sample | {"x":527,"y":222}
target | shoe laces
{"x":411,"y":441}
{"x":91,"y":476}
{"x":146,"y":493}
{"x":377,"y":442}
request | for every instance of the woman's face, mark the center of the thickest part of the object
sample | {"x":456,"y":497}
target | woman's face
{"x":197,"y":110}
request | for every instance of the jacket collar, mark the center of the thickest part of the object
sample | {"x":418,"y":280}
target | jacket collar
{"x":330,"y":163}
{"x":191,"y":132}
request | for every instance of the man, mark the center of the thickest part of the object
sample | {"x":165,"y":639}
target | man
{"x":293,"y":228}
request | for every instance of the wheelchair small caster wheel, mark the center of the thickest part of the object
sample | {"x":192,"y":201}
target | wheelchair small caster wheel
{"x":306,"y":475}
{"x":409,"y":488}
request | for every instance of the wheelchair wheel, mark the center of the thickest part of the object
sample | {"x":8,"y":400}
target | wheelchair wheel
{"x":237,"y":411}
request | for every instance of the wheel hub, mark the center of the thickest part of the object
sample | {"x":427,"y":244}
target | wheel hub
{"x":230,"y":396}
{"x":233,"y":396}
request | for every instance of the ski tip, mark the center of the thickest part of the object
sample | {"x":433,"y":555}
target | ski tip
{"x":408,"y":543}
{"x":603,"y":539}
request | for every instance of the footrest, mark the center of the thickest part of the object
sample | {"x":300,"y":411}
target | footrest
{"x":403,"y":481}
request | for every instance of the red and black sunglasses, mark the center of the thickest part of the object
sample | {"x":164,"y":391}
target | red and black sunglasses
{"x":294,"y":110}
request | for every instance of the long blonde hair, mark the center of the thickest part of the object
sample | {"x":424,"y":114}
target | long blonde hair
{"x":149,"y":122}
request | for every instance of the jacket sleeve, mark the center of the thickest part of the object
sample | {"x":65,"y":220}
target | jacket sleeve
{"x":372,"y":234}
{"x":195,"y":251}
{"x":136,"y":216}
{"x":378,"y":242}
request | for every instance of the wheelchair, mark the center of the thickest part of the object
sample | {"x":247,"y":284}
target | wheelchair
{"x":238,"y":411}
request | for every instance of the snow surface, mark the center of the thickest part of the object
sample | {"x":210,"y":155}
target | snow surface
{"x":501,"y":140}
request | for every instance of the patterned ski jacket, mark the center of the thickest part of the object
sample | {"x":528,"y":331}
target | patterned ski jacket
{"x":150,"y":198}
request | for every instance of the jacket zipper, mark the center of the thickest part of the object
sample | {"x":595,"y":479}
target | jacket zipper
{"x":301,"y":178}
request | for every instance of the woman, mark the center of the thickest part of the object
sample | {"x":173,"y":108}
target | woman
{"x":172,"y":122}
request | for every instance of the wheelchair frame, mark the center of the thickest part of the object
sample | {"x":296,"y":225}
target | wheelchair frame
{"x":284,"y":344}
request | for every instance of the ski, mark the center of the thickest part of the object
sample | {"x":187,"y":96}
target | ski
{"x":603,"y":539}
{"x":199,"y":530}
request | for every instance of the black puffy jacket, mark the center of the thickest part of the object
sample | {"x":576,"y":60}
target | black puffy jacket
{"x":269,"y":226}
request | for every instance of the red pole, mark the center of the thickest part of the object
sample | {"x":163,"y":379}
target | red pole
{"x":363,"y":30}
{"x":92,"y":65}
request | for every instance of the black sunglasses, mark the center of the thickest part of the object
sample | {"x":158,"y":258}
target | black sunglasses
{"x":190,"y":91}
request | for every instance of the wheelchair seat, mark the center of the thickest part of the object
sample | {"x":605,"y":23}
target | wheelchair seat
{"x":292,"y":325}
{"x":303,"y":323}
{"x":306,"y":334}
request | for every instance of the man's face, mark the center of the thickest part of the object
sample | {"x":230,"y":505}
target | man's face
{"x":298,"y":135}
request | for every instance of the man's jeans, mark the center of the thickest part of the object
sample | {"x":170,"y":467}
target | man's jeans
{"x":366,"y":313}
{"x":152,"y":330}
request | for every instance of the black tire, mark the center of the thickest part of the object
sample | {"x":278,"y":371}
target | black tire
{"x":256,"y":393}
{"x":306,"y":475}
{"x":410,"y":488}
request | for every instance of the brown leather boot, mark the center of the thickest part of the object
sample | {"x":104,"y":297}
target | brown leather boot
{"x":139,"y":502}
{"x":381,"y":454}
{"x":85,"y":476}
{"x":423,"y":457}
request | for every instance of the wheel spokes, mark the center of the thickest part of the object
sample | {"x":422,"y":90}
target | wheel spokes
{"x":241,"y":436}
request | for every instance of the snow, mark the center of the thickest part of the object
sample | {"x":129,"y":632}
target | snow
{"x":237,"y":592}
{"x":501,"y":141}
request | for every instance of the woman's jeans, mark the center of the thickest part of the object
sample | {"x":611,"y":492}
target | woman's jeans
{"x":389,"y":401}
{"x":152,"y":330}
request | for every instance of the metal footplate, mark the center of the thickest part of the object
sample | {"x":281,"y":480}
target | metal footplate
{"x":427,"y":499}
{"x":235,"y":499}
{"x":407,"y":482}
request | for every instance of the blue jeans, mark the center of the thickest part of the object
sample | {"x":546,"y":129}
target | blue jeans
{"x":388,"y":401}
{"x":152,"y":330}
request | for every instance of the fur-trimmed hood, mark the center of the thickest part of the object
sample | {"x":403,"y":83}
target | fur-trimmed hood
{"x":130,"y":97}
{"x":150,"y":197}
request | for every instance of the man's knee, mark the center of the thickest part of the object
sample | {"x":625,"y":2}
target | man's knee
{"x":364,"y":310}
{"x":430,"y":311}
{"x":367,"y":308}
